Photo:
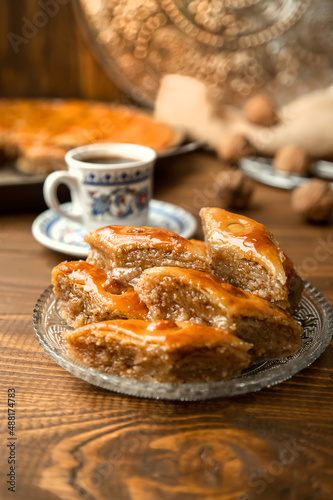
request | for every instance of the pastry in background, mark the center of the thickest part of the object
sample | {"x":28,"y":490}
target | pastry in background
{"x":159,"y":352}
{"x":40,"y":158}
{"x":88,"y":295}
{"x":185,"y":295}
{"x":39,"y":132}
{"x":244,"y":253}
{"x":126,"y":251}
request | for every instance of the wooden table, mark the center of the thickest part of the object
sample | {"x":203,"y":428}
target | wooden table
{"x":75,"y":440}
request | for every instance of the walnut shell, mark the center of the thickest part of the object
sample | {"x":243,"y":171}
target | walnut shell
{"x":233,"y":147}
{"x":261,"y":110}
{"x":235,"y":189}
{"x":313,"y":200}
{"x":292,"y":159}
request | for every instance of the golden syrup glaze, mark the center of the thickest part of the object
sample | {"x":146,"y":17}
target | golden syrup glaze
{"x":200,"y":244}
{"x":174,"y":335}
{"x":49,"y":121}
{"x":234,"y":302}
{"x":109,"y":293}
{"x":249,"y":238}
{"x":134,"y":237}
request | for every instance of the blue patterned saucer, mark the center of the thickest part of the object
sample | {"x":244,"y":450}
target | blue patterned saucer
{"x":62,"y":235}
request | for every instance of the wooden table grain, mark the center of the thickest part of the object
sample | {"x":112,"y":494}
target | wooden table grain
{"x":77,"y":441}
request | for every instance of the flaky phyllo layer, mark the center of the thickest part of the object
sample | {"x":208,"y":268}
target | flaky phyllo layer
{"x":153,"y":306}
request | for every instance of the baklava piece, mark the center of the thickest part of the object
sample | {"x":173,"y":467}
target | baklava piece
{"x":200,"y":244}
{"x":41,"y":131}
{"x":245,"y":254}
{"x":186,"y":295}
{"x":126,"y":251}
{"x":88,"y":295}
{"x":162,"y":351}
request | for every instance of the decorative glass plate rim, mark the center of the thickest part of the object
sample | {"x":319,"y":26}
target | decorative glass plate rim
{"x":265,"y":375}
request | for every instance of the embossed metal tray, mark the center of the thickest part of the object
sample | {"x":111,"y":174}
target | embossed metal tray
{"x":237,"y":48}
{"x":261,"y":170}
{"x":314,"y":314}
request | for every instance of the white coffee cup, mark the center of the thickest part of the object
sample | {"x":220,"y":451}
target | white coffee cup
{"x":109,"y":184}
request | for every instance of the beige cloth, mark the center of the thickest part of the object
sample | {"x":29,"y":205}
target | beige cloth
{"x":184,"y":102}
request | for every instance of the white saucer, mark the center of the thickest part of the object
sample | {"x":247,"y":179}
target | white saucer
{"x":62,"y":235}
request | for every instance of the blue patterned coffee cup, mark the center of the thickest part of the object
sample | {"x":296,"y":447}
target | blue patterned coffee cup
{"x":109,"y":184}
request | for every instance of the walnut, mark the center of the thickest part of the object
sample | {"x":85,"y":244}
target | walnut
{"x":112,"y":285}
{"x":313,"y":200}
{"x":235,"y":189}
{"x":234,"y":146}
{"x":261,"y":110}
{"x":292,"y":159}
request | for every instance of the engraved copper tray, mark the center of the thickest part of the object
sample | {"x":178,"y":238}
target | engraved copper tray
{"x":237,"y":47}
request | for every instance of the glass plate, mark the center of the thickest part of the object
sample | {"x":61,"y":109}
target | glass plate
{"x":261,"y":170}
{"x":314,"y":314}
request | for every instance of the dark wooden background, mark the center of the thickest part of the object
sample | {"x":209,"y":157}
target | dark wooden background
{"x":55,"y":61}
